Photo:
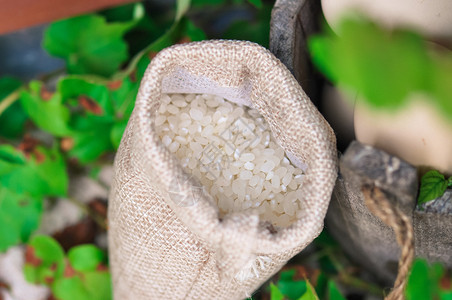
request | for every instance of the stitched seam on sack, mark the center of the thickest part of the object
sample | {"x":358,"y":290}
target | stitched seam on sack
{"x":198,"y":276}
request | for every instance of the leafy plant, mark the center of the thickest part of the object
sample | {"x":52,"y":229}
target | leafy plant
{"x":81,"y":274}
{"x":333,"y":292}
{"x":89,"y":44}
{"x":45,"y":109}
{"x":433,"y":185}
{"x":12,"y":121}
{"x":257,"y":32}
{"x":84,"y":115}
{"x":293,"y":289}
{"x":90,"y":111}
{"x":257,"y":3}
{"x":428,"y":282}
{"x":289,"y":288}
{"x":27,"y":175}
{"x":19,"y":217}
{"x":385,"y":67}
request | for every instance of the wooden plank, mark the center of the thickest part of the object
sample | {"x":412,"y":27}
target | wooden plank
{"x":18,"y":14}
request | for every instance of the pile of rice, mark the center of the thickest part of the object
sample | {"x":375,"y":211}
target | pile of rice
{"x":230,"y":150}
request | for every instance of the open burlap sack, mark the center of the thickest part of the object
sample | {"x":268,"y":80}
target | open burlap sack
{"x":161,"y":248}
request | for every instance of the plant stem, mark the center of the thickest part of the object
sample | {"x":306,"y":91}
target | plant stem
{"x":359,"y":284}
{"x":9,"y":100}
{"x":88,"y":211}
{"x":58,"y":72}
{"x":316,"y":255}
{"x":350,"y":280}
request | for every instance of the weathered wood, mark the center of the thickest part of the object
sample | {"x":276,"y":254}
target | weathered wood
{"x":363,"y":237}
{"x":291,"y":23}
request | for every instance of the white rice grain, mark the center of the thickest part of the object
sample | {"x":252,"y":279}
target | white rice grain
{"x":231,"y":151}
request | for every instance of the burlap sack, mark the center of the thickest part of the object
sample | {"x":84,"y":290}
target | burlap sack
{"x":164,"y":249}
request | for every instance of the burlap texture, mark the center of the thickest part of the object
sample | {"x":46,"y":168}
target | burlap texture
{"x":161,"y":250}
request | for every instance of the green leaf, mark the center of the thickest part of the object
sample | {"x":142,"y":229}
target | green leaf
{"x":24,"y":183}
{"x":191,"y":31}
{"x":275,"y":293}
{"x":108,"y":108}
{"x":91,"y":137}
{"x":207,"y":2}
{"x":326,"y":240}
{"x":445,"y":295}
{"x":321,"y":286}
{"x":86,"y":257}
{"x":256,"y":3}
{"x":48,"y":114}
{"x":19,"y":217}
{"x":257,"y":31}
{"x":74,"y":87}
{"x":142,"y":64}
{"x":385,"y":67}
{"x":46,"y":176}
{"x":310,"y":293}
{"x":179,"y":30}
{"x":289,"y":287}
{"x":8,"y":85}
{"x":182,"y":7}
{"x":147,"y":30}
{"x":174,"y":34}
{"x":52,"y":171}
{"x":98,"y":285}
{"x":100,"y":129}
{"x":117,"y":132}
{"x":91,"y":285}
{"x":132,"y":12}
{"x":333,"y":292}
{"x":45,"y":260}
{"x":441,"y":86}
{"x":12,"y":120}
{"x":421,"y":285}
{"x":75,"y":277}
{"x":10,"y":159}
{"x":89,"y":44}
{"x":124,"y":101}
{"x":433,"y":185}
{"x":47,"y":249}
{"x":70,"y":289}
{"x":321,"y":49}
{"x":123,"y":97}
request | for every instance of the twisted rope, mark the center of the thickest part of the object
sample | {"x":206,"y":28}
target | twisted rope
{"x":379,"y":205}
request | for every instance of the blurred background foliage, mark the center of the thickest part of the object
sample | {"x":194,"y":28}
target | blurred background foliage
{"x":71,"y":120}
{"x":74,"y":118}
